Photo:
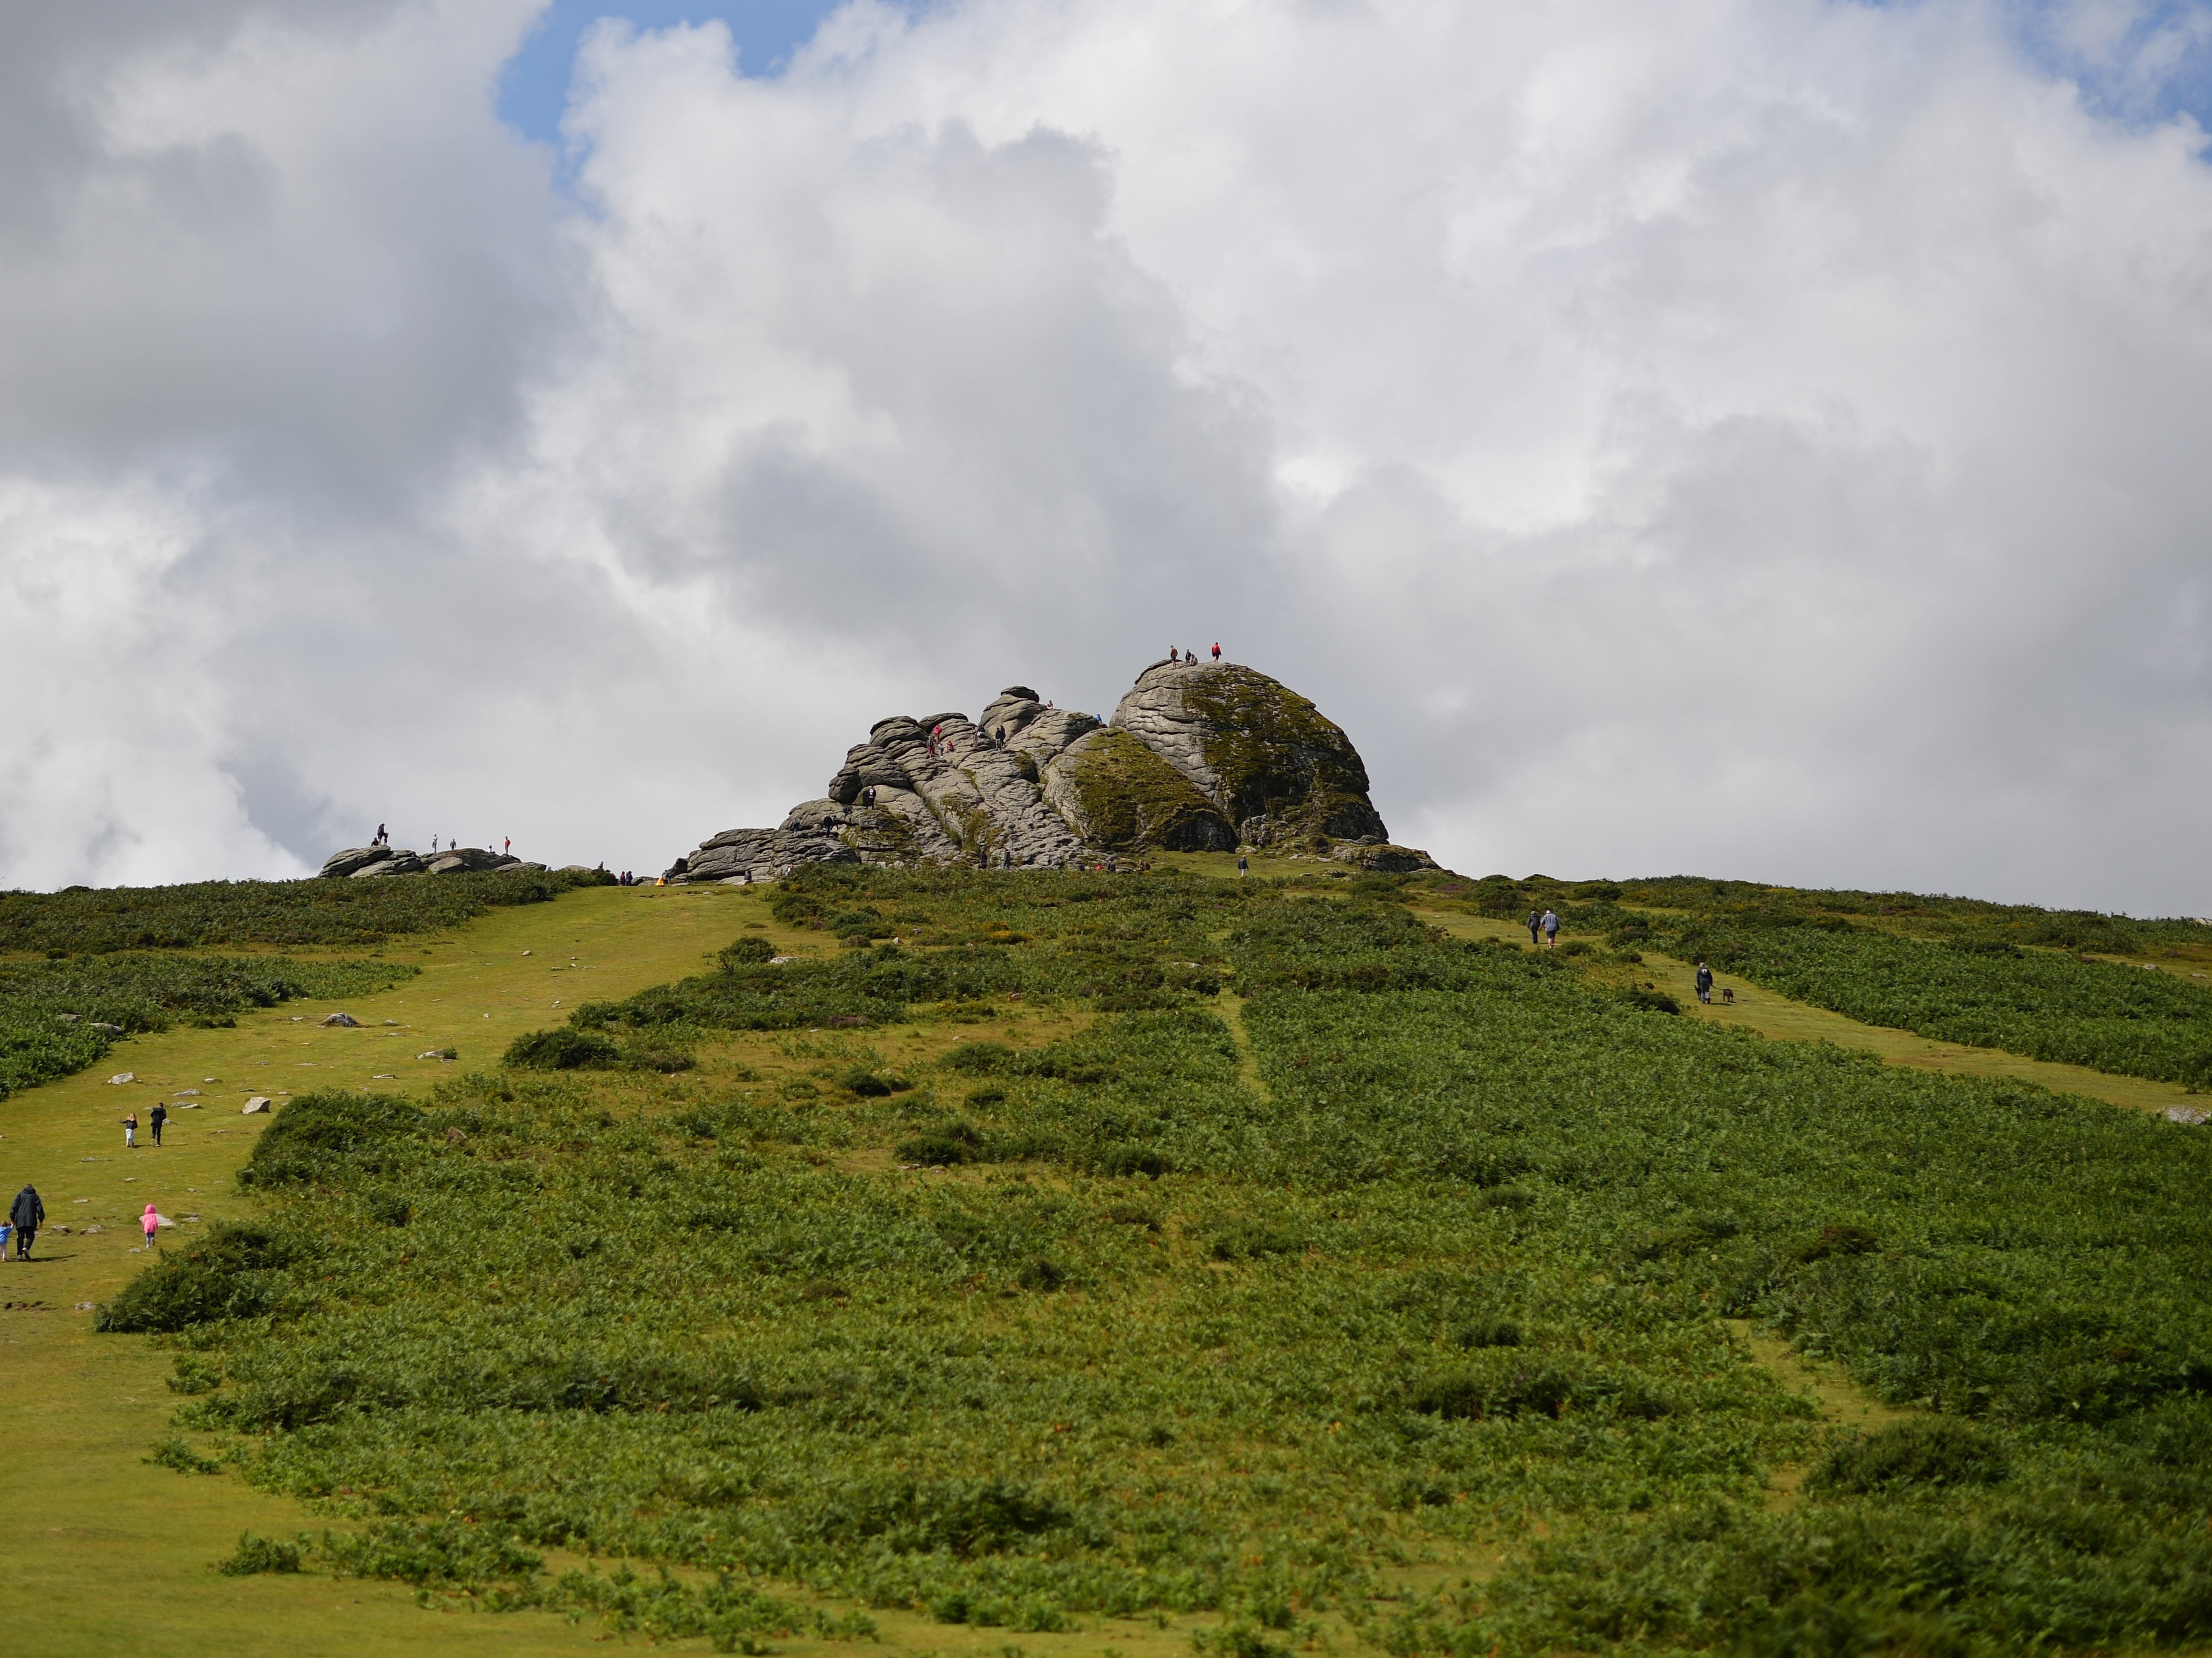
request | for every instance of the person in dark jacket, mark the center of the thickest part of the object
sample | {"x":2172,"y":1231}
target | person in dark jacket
{"x":155,"y":1118}
{"x":28,"y":1214}
{"x":1535,"y":924}
{"x":1705,"y":982}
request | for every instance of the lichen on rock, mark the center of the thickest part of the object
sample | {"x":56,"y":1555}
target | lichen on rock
{"x":1256,"y":749}
{"x":1119,"y":796}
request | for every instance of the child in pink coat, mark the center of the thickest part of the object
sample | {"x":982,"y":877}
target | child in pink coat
{"x":151,"y":1221}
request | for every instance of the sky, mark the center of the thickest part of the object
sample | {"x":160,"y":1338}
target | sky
{"x":1755,"y":438}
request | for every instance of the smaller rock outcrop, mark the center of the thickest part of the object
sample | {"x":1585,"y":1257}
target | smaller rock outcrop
{"x":357,"y":862}
{"x":356,"y":858}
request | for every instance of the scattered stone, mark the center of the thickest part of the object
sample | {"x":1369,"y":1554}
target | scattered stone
{"x":189,"y":1105}
{"x":104,"y":1029}
{"x":68,"y":1019}
{"x":256,"y":1107}
{"x":89,"y":1230}
{"x":187,"y":1093}
{"x":122,"y":1077}
{"x":1383,"y":858}
{"x":2188,"y":1114}
{"x":345,"y":1019}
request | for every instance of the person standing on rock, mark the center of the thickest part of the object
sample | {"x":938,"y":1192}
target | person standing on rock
{"x":27,"y":1214}
{"x":1217,"y":650}
{"x":508,"y":846}
{"x":1551,"y":929}
{"x":381,"y":832}
{"x":155,"y":1118}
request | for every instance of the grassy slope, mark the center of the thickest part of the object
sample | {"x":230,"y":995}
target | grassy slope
{"x":81,"y":1412}
{"x":1759,"y":1008}
{"x":110,"y":1554}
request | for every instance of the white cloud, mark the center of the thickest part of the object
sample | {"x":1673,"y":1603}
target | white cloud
{"x":1757,"y":439}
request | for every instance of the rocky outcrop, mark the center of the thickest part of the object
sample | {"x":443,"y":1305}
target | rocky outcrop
{"x":1115,"y":792}
{"x":1198,"y":756}
{"x":1270,"y":761}
{"x":356,"y":862}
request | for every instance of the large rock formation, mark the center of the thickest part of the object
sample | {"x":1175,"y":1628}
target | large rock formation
{"x":1198,"y":756}
{"x":1266,"y":758}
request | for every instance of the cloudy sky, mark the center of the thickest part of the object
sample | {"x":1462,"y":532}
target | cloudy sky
{"x":1764,"y":438}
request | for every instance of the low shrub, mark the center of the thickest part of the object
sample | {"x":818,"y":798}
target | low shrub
{"x":320,"y":1136}
{"x":562,"y":1049}
{"x":1927,"y":1451}
{"x":224,"y":1275}
{"x":259,"y":1554}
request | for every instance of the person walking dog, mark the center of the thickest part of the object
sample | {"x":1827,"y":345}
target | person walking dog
{"x":1705,"y":983}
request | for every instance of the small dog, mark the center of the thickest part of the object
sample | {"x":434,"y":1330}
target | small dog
{"x":1727,"y":996}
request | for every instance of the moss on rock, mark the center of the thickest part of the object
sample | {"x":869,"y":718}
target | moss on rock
{"x":1280,"y":757}
{"x":1119,"y":795}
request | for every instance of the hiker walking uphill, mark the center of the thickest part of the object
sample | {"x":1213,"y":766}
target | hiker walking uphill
{"x":155,"y":1118}
{"x":1535,"y":926}
{"x":27,"y":1214}
{"x":1551,"y":929}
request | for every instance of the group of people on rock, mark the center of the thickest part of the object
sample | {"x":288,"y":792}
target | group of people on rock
{"x":383,"y":838}
{"x":1176,"y":653}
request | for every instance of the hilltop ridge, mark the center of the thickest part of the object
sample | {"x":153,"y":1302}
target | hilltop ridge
{"x":1196,"y":756}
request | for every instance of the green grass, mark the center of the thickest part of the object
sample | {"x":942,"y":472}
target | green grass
{"x":1446,"y":1265}
{"x":2108,"y":1016}
{"x":85,"y":920}
{"x":52,"y":1012}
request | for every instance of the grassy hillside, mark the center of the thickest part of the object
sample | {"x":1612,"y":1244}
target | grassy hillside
{"x":87,"y":920}
{"x":1110,"y":1251}
{"x":2060,"y":986}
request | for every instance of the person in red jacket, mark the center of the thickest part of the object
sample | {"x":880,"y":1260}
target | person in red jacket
{"x":1217,"y":650}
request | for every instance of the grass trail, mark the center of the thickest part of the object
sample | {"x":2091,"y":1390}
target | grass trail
{"x":1777,"y":1017}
